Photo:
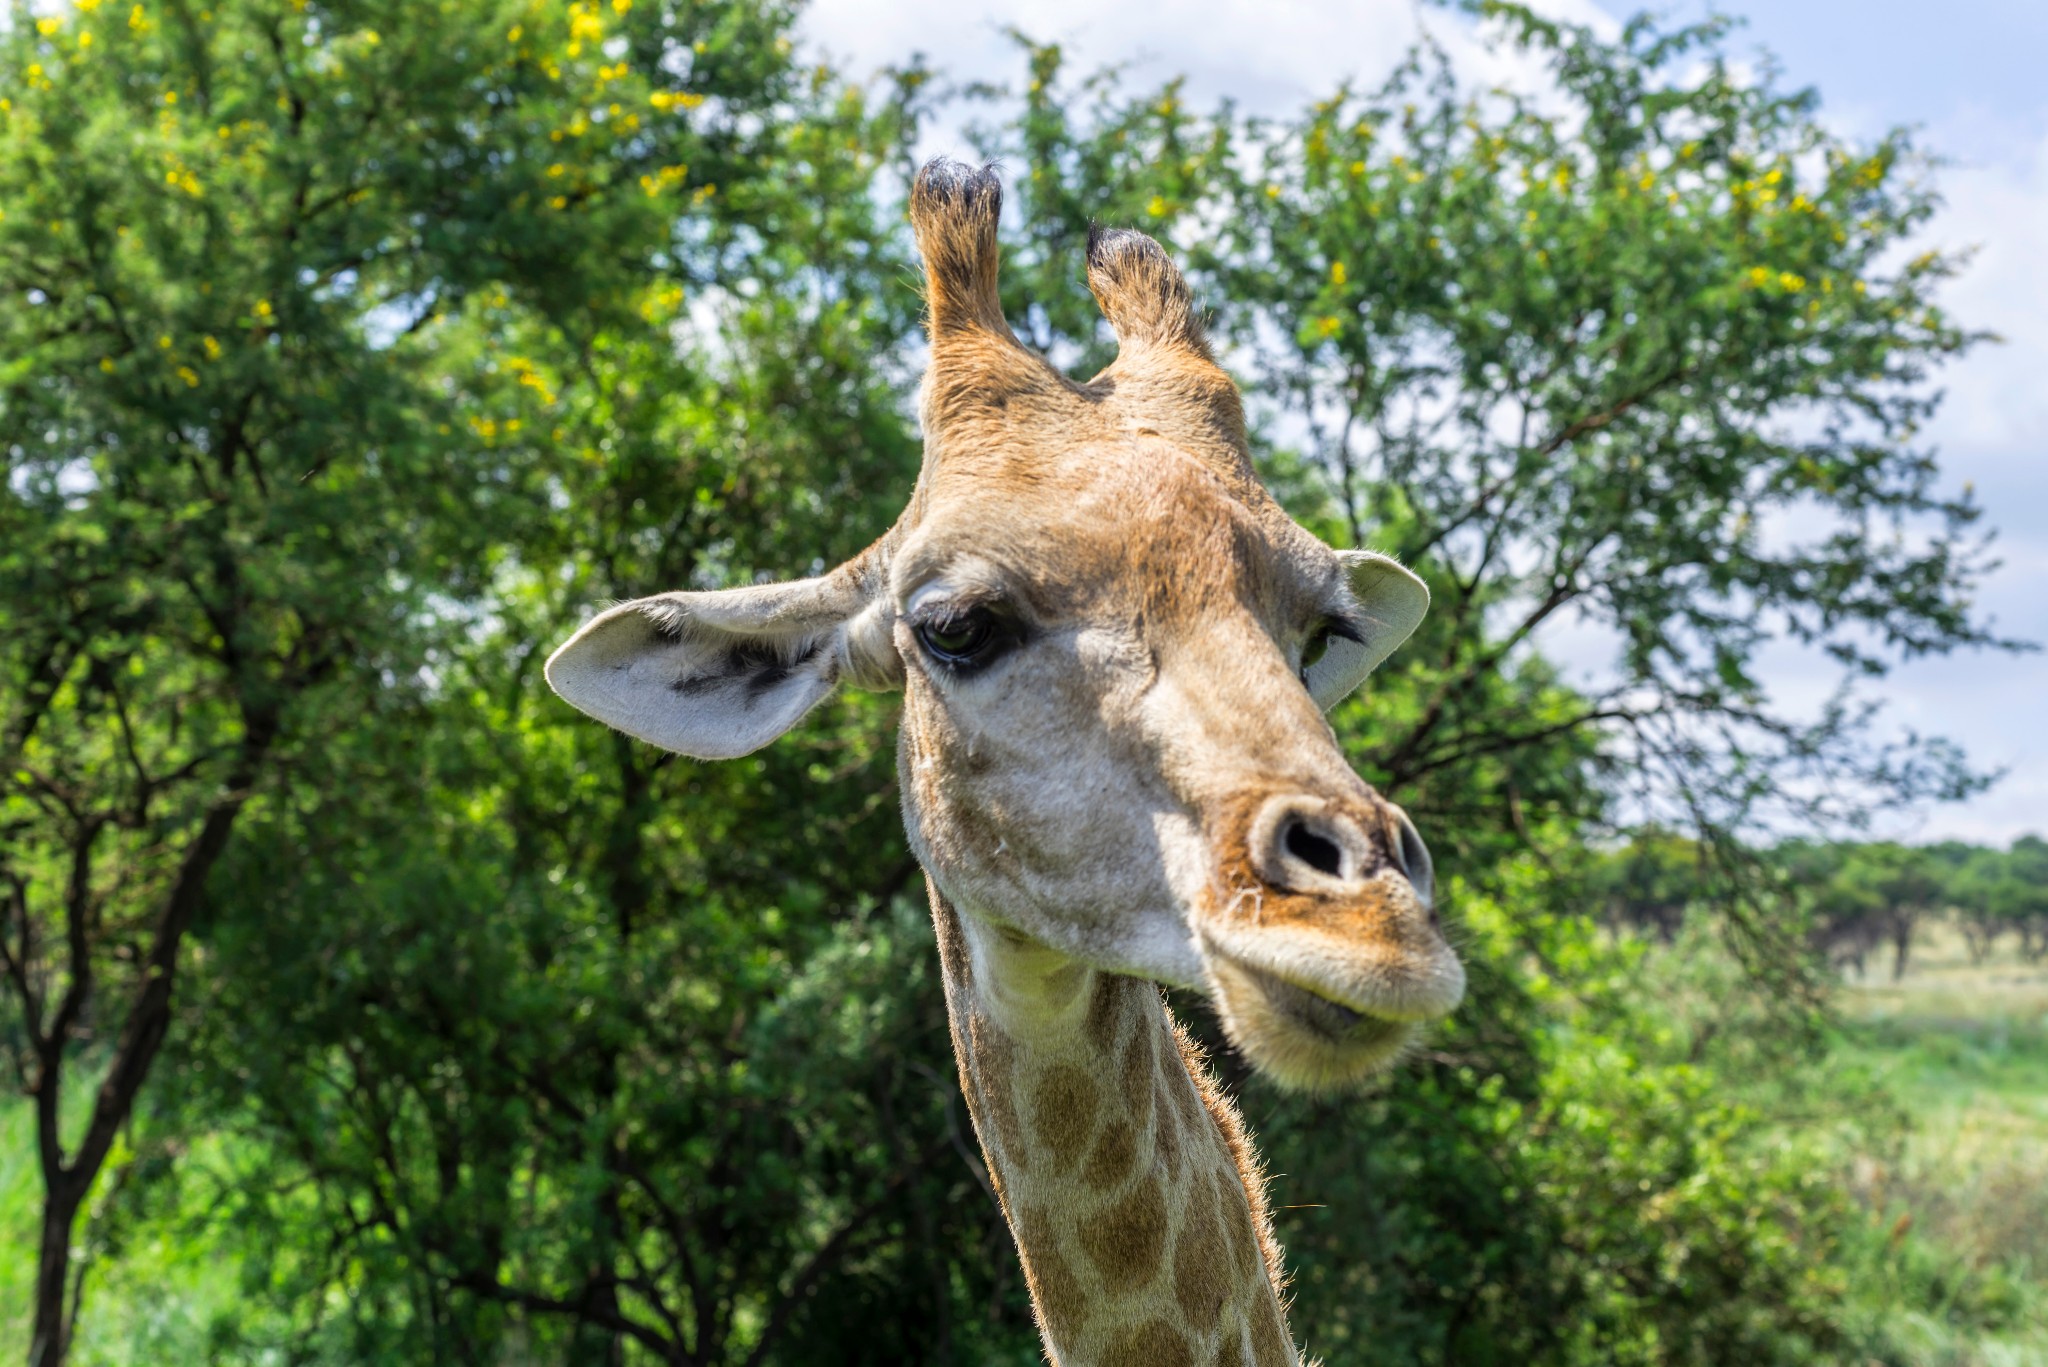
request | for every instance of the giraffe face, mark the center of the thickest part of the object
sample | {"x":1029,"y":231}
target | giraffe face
{"x":1116,"y":652}
{"x":1113,"y":745}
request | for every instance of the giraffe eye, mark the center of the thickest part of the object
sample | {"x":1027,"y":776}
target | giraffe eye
{"x":965,"y":640}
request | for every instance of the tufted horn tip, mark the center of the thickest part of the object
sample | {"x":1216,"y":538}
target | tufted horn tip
{"x":954,"y":209}
{"x":1140,"y":290}
{"x":945,"y":185}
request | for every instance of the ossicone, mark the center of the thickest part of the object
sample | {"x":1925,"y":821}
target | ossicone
{"x":1141,"y":291}
{"x":954,"y":209}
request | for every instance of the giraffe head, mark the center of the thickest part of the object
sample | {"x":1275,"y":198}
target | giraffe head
{"x":1116,"y":651}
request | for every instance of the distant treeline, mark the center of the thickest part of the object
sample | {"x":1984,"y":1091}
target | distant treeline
{"x":1855,"y":896}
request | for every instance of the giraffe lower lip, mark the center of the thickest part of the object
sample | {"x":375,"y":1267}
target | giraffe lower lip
{"x":1333,"y":1021}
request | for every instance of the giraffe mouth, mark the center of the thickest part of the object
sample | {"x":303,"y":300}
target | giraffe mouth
{"x":1298,"y":1036}
{"x":1334,"y":1021}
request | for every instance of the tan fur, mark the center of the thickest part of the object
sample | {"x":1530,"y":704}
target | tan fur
{"x":1139,"y":789}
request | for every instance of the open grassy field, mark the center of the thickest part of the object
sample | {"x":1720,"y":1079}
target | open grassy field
{"x":1964,"y":1047}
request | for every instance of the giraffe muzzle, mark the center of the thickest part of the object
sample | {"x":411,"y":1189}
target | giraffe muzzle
{"x":1323,"y":951}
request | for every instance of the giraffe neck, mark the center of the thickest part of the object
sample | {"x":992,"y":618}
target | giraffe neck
{"x":1126,"y":1178}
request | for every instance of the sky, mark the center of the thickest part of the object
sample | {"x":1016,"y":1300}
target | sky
{"x":1969,"y":83}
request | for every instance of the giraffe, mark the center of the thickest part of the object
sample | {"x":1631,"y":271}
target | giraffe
{"x":1115,"y":651}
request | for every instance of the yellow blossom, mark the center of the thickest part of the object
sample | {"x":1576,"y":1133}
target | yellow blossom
{"x":659,"y":302}
{"x":621,"y":6}
{"x":1329,"y":325}
{"x":107,"y":364}
{"x":46,"y":27}
{"x":515,"y":33}
{"x":666,"y":178}
{"x":536,"y":383}
{"x":584,"y":25}
{"x":559,"y":202}
{"x":1357,"y":168}
{"x":211,"y":347}
{"x":262,"y":309}
{"x":189,"y":376}
{"x":164,"y":340}
{"x":1157,"y":208}
{"x":1337,"y":275}
{"x":1790,"y":282}
{"x":85,"y":39}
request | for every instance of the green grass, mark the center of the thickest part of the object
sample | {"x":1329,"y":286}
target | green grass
{"x":1964,"y":1207}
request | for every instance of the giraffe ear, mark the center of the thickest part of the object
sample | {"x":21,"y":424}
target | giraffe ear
{"x":718,"y":675}
{"x":1391,"y":602}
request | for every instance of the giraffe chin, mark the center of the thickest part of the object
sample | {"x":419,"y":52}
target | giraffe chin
{"x":1299,"y":1038}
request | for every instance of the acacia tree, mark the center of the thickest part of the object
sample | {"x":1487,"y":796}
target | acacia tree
{"x":239,"y":504}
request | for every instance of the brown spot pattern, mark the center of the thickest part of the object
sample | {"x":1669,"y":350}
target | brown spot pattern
{"x":1236,"y":1227}
{"x":1269,"y":1336}
{"x":1109,"y":1162}
{"x":1055,"y":1290}
{"x":1152,"y":1344}
{"x":1102,"y":1007}
{"x":1063,"y":1113}
{"x":994,"y":1074}
{"x":1201,"y":1267}
{"x":1126,"y":1240}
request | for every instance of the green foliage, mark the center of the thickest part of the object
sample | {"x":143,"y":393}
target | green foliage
{"x":368,"y":347}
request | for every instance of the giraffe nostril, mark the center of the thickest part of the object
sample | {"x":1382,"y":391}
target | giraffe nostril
{"x":1318,"y":852}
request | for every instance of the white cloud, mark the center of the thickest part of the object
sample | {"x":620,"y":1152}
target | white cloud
{"x":1267,"y":56}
